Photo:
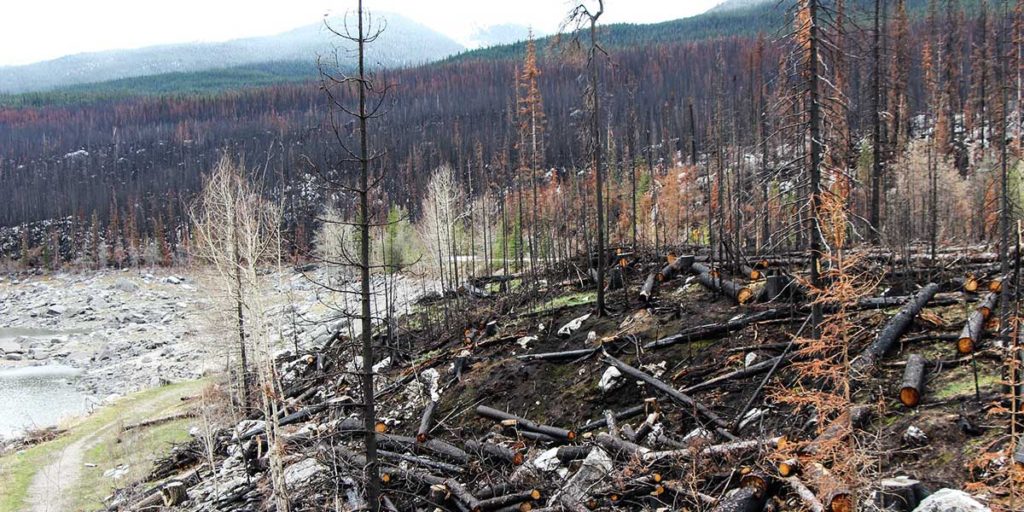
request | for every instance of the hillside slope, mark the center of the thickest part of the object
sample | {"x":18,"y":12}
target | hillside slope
{"x":404,"y":42}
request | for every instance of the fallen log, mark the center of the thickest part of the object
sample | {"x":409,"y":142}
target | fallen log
{"x":426,"y":422}
{"x":913,"y":381}
{"x":744,"y":499}
{"x":421,"y":461}
{"x":432,"y":446}
{"x":494,"y":452}
{"x":973,"y":329}
{"x":810,"y":500}
{"x":893,"y":329}
{"x":702,"y":332}
{"x":647,"y":290}
{"x":625,"y":414}
{"x":840,"y":427}
{"x":683,"y":489}
{"x":676,"y":266}
{"x":646,"y":427}
{"x":649,"y":485}
{"x":712,"y":280}
{"x":565,"y":355}
{"x":689,"y":403}
{"x":160,"y":421}
{"x":834,"y":496}
{"x":752,"y":273}
{"x":621,"y":448}
{"x":567,"y":454}
{"x":715,"y":450}
{"x":753,"y":369}
{"x":525,"y":424}
{"x":506,"y":500}
{"x":295,"y":417}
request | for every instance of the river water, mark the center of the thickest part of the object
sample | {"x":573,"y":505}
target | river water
{"x":36,"y":396}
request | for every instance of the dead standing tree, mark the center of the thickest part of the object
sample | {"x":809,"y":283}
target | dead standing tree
{"x":581,"y":17}
{"x":369,"y":96}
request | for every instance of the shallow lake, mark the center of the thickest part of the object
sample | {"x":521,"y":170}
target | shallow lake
{"x":36,"y":396}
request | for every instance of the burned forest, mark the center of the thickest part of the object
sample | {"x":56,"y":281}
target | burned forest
{"x":762,"y":258}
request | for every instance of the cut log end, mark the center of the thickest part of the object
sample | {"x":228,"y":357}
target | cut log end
{"x":789,"y":467}
{"x":517,"y":459}
{"x":756,"y":481}
{"x":910,"y":397}
{"x":744,"y":295}
{"x":970,"y":284}
{"x":421,"y":438}
{"x":380,"y":427}
{"x":535,"y":494}
{"x":965,"y":345}
{"x":841,"y":501}
{"x":995,"y":285}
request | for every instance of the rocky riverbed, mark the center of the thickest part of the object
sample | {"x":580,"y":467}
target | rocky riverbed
{"x":130,"y":330}
{"x":124,"y":330}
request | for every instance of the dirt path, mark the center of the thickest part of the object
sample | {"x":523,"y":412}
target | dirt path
{"x":51,"y":485}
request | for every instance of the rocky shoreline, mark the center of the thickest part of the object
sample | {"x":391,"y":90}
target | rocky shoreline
{"x":131,"y":330}
{"x":126,"y":331}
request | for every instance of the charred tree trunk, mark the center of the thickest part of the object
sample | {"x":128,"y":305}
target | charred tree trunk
{"x":895,"y":328}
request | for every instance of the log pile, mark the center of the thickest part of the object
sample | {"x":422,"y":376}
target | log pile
{"x":665,"y":438}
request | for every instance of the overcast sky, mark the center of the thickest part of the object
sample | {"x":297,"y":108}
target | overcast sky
{"x":34,"y":30}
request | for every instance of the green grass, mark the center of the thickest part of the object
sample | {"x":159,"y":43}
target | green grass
{"x":964,"y":385}
{"x":17,"y":469}
{"x":573,"y":299}
{"x":138,"y":449}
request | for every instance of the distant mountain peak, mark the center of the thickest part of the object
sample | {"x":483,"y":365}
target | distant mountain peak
{"x":404,"y":42}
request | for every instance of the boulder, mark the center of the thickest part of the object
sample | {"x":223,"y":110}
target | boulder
{"x":300,"y":473}
{"x":9,"y":346}
{"x":126,"y":285}
{"x":950,"y":500}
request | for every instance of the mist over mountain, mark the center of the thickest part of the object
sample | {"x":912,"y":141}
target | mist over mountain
{"x":404,"y":42}
{"x":505,"y":33}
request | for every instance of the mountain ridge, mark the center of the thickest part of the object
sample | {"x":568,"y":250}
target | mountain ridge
{"x":405,"y":42}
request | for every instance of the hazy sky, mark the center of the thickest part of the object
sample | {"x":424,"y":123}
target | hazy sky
{"x":34,"y":30}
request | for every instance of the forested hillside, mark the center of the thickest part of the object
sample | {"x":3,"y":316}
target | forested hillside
{"x":764,"y":259}
{"x":140,"y":158}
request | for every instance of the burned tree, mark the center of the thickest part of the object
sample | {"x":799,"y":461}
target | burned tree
{"x":354,"y":156}
{"x":582,"y":18}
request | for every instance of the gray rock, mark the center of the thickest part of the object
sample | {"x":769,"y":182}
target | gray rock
{"x":8,"y":346}
{"x":950,"y":500}
{"x":56,"y":310}
{"x":302,"y":472}
{"x":126,"y":285}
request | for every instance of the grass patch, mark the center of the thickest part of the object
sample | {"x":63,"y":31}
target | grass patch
{"x":963,"y":384}
{"x":17,"y":469}
{"x":137,"y":448}
{"x":570,"y":300}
